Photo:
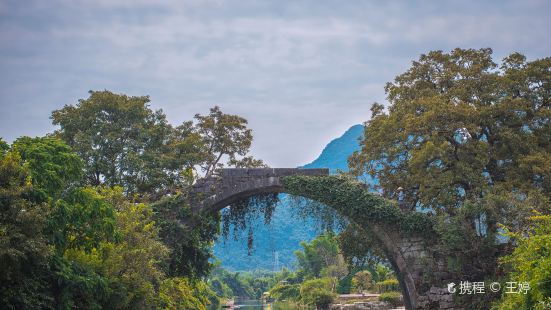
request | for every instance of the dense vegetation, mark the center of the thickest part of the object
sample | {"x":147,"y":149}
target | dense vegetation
{"x":82,"y":225}
{"x":469,"y":140}
{"x":322,"y":273}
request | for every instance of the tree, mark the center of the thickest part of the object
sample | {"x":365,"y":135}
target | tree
{"x":180,"y":293}
{"x":132,"y":263}
{"x":362,"y":281}
{"x":529,"y":263}
{"x":123,"y":142}
{"x":225,"y":135}
{"x":54,"y":167}
{"x":81,"y":221}
{"x":4,"y":147}
{"x":319,"y":254}
{"x":459,"y":128}
{"x":24,"y":251}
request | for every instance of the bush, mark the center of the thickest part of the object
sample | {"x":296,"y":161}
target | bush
{"x":529,"y":265}
{"x":285,"y":292}
{"x":388,"y":285}
{"x":393,"y":298}
{"x":317,"y":292}
{"x":362,"y":281}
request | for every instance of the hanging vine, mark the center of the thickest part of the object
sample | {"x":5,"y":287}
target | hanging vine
{"x":241,"y":215}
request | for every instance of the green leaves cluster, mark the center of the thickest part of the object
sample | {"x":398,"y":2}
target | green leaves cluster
{"x":125,"y":143}
{"x":530,"y":263}
{"x":353,"y":200}
{"x":63,"y":245}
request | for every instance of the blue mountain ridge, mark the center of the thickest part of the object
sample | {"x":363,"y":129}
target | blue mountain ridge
{"x":286,"y":230}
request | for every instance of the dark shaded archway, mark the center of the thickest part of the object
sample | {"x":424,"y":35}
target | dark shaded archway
{"x":406,"y":247}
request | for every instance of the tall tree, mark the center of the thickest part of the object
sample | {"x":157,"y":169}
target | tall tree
{"x":459,"y":128}
{"x":123,"y":142}
{"x":226,"y":136}
{"x":24,"y":251}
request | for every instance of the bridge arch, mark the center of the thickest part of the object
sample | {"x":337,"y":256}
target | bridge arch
{"x":407,"y":252}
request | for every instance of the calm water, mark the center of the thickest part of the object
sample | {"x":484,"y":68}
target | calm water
{"x":251,"y":304}
{"x":258,"y":305}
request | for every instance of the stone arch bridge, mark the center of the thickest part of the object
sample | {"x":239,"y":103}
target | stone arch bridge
{"x":421,"y":274}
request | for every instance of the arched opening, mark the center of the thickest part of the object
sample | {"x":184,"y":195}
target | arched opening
{"x":237,"y":184}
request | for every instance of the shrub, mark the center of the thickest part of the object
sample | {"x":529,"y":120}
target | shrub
{"x":393,"y":298}
{"x":285,"y":292}
{"x":317,"y":292}
{"x":388,"y":285}
{"x":362,"y":281}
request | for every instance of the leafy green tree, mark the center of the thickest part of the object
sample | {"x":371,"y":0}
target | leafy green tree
{"x":319,"y":254}
{"x":82,"y":220}
{"x":226,"y":136}
{"x":24,"y":251}
{"x":362,"y":281}
{"x":359,"y":248}
{"x":181,"y":293}
{"x":53,"y":165}
{"x":132,"y":263}
{"x":4,"y":147}
{"x":123,"y":142}
{"x":188,"y":236}
{"x":529,"y":263}
{"x":459,"y":128}
{"x":284,"y":291}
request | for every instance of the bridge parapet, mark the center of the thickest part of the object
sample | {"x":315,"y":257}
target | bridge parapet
{"x":230,"y":184}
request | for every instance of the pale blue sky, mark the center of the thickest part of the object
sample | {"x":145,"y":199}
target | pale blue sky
{"x":301,"y":72}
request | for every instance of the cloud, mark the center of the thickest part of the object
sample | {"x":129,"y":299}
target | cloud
{"x":301,"y":72}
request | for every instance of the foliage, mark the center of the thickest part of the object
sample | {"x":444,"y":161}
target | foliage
{"x":180,"y":293}
{"x":188,"y":236}
{"x":251,"y":285}
{"x":359,"y":248}
{"x":321,"y":257}
{"x":469,"y":253}
{"x":284,"y":291}
{"x":54,"y":166}
{"x":123,"y":142}
{"x":317,"y":292}
{"x":387,"y":285}
{"x":4,"y":147}
{"x":458,"y":125}
{"x":133,"y":263}
{"x":225,"y":135}
{"x":530,"y":263}
{"x":75,"y":286}
{"x":73,"y":232}
{"x":393,"y":298}
{"x":242,"y":213}
{"x":362,"y":281}
{"x":351,"y":199}
{"x":24,"y":251}
{"x":81,"y":220}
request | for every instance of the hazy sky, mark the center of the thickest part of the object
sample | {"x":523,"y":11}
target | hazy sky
{"x":301,"y":72}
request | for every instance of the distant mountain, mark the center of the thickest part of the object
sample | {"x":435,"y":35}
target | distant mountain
{"x":335,"y":155}
{"x":286,"y":230}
